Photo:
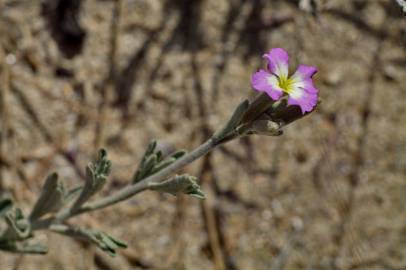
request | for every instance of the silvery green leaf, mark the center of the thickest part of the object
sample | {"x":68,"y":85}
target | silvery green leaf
{"x":150,"y":149}
{"x":108,"y":243}
{"x":149,"y":165}
{"x":159,"y":155}
{"x":15,"y":247}
{"x":17,"y":226}
{"x":104,"y":241}
{"x":154,"y":161}
{"x":6,"y":203}
{"x":96,"y":176}
{"x":257,"y":106}
{"x":179,"y":184}
{"x":72,"y":194}
{"x":148,"y":152}
{"x":165,"y":163}
{"x":148,"y":161}
{"x":51,"y":198}
{"x":265,"y":127}
{"x":101,"y":168}
{"x":178,"y":154}
{"x":233,"y":122}
{"x":146,"y":168}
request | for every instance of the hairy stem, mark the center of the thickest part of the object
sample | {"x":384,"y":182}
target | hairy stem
{"x":128,"y":191}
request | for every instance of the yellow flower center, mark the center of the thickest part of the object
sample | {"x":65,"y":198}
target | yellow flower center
{"x":286,"y":84}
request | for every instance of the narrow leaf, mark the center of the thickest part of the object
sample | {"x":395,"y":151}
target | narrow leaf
{"x":233,"y":122}
{"x":265,"y":127}
{"x":96,"y":177}
{"x":165,"y":163}
{"x":51,"y":198}
{"x":72,"y":194}
{"x":178,"y":154}
{"x":179,"y":184}
{"x":138,"y":175}
{"x":17,"y":226}
{"x":146,"y":168}
{"x":104,"y":241}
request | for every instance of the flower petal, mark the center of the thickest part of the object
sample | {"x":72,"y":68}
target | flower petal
{"x":304,"y":99}
{"x":278,"y":62}
{"x":304,"y":93}
{"x":304,"y":71}
{"x":265,"y":82}
{"x":302,"y":78}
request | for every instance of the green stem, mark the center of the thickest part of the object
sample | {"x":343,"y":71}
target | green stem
{"x":128,"y":191}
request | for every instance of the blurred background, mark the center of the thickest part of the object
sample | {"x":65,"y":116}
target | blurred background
{"x":329,"y":194}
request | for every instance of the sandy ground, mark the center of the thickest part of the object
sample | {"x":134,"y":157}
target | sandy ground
{"x":328,"y":194}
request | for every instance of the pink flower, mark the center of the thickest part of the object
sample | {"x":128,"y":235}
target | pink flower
{"x":276,"y":82}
